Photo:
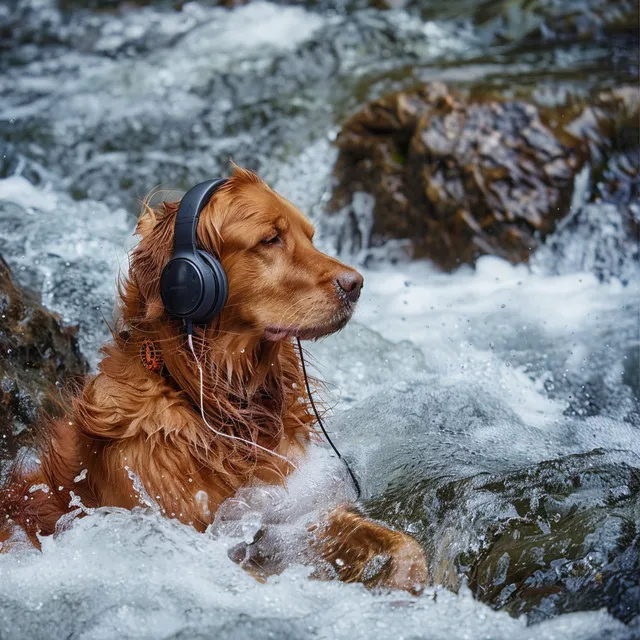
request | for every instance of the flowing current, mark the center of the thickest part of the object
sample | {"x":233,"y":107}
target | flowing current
{"x":492,"y":412}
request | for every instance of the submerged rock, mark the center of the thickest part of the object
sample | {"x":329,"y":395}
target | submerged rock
{"x":36,"y":352}
{"x":571,"y":544}
{"x":461,"y":176}
{"x":559,"y":536}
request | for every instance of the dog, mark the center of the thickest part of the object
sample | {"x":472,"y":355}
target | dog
{"x":193,"y":418}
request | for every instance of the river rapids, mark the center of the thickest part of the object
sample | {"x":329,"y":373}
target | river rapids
{"x":493,"y":413}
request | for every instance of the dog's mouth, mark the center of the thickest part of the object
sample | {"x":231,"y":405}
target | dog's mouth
{"x":277,"y":333}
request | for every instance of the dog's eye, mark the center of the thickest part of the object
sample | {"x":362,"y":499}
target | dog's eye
{"x":273,"y":239}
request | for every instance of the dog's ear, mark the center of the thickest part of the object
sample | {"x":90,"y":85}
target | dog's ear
{"x":146,"y":221}
{"x":155,"y":228}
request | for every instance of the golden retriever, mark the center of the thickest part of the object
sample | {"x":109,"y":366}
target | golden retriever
{"x":142,"y":416}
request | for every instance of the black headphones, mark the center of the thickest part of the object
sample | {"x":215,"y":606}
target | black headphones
{"x":193,"y":285}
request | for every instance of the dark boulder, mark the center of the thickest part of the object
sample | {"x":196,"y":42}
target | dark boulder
{"x":551,"y":538}
{"x":601,"y":236}
{"x":461,"y":177}
{"x":36,"y":353}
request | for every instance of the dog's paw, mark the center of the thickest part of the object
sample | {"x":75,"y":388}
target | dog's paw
{"x":404,"y":568}
{"x":355,"y":549}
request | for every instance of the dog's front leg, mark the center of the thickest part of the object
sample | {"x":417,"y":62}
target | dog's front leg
{"x":348,"y":546}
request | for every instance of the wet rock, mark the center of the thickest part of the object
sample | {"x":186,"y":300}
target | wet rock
{"x":458,"y":178}
{"x":571,"y":544}
{"x":85,"y":244}
{"x":600,"y":235}
{"x":36,"y":353}
{"x":461,"y":176}
{"x":551,"y":538}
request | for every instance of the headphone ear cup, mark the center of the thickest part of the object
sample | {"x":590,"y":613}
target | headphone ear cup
{"x":219,"y":285}
{"x":183,"y":285}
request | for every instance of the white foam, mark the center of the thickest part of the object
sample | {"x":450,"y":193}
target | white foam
{"x":118,"y":574}
{"x":457,"y":320}
{"x":20,"y":191}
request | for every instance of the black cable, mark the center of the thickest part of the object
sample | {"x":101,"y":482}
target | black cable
{"x":326,"y":435}
{"x":356,"y":484}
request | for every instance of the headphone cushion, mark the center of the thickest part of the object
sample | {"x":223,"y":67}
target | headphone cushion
{"x":218,"y":282}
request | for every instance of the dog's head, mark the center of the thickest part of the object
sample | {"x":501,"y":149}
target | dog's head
{"x":280,"y":285}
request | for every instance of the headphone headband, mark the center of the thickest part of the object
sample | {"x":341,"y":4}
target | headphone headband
{"x":188,"y":214}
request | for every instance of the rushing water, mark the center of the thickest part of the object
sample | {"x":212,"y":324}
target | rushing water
{"x":493,"y":413}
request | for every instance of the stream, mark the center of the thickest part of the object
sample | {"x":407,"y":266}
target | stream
{"x":492,"y":412}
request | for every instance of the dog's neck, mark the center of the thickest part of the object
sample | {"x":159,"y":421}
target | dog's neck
{"x":242,"y":361}
{"x":245,"y":377}
{"x":235,"y":358}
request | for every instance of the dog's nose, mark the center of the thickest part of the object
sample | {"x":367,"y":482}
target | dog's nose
{"x":350,"y":282}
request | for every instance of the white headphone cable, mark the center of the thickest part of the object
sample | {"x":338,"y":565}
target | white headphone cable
{"x":220,"y":433}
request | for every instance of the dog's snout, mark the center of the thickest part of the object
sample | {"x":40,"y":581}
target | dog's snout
{"x":350,"y":282}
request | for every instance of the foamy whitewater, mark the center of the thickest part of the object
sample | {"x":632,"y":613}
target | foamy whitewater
{"x":456,"y":397}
